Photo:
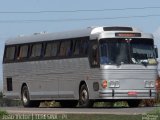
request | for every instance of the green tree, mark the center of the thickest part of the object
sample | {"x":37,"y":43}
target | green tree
{"x":1,"y":95}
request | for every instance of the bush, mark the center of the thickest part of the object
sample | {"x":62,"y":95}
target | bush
{"x":3,"y":113}
{"x":111,"y":104}
{"x":8,"y":102}
{"x":1,"y":95}
{"x":50,"y":104}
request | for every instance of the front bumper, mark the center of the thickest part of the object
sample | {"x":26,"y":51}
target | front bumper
{"x":127,"y":94}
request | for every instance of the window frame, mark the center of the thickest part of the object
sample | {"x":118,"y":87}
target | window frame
{"x":43,"y":44}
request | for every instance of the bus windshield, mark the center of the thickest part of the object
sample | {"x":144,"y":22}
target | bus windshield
{"x":127,"y":51}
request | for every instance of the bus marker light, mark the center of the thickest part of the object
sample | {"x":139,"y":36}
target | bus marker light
{"x":132,"y":93}
{"x":104,"y":83}
{"x":158,"y":85}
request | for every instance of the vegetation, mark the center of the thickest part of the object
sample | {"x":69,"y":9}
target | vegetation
{"x":104,"y":117}
{"x":75,"y":117}
{"x":50,"y":104}
{"x":71,"y":117}
{"x":8,"y":102}
{"x":2,"y":113}
{"x":151,"y":115}
{"x":155,"y":115}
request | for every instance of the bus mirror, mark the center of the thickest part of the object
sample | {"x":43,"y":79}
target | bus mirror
{"x":156,"y":52}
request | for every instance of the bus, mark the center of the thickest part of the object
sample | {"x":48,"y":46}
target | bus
{"x":114,"y":63}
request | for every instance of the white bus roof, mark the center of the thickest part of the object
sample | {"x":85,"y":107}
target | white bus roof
{"x":92,"y":32}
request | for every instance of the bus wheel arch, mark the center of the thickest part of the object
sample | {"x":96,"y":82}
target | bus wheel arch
{"x":84,"y":100}
{"x":25,"y":97}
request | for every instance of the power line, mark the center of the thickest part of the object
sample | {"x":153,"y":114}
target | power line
{"x":77,"y":19}
{"x":81,"y":10}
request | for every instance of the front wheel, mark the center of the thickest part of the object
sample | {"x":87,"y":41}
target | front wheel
{"x":26,"y":99}
{"x":84,"y":97}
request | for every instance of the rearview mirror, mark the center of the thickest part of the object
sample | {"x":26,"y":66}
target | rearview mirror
{"x":156,"y":52}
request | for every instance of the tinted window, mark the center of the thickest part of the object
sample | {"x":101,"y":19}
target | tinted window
{"x":51,"y":49}
{"x":84,"y":47}
{"x":65,"y":48}
{"x":81,"y":47}
{"x":77,"y":48}
{"x":10,"y":53}
{"x":23,"y":51}
{"x":36,"y":50}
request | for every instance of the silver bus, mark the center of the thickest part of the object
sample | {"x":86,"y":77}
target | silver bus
{"x":81,"y":67}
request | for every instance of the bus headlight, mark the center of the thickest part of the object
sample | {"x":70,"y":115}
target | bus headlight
{"x":117,"y":84}
{"x":149,"y":84}
{"x":152,"y":84}
{"x":111,"y":84}
{"x":114,"y":84}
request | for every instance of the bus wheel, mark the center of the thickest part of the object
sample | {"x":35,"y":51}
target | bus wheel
{"x":26,"y":99}
{"x":84,"y":97}
{"x":133,"y":103}
{"x":68,"y":103}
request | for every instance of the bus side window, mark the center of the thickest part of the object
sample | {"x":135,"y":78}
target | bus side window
{"x":84,"y":47}
{"x":36,"y":50}
{"x":76,"y":48}
{"x":51,"y":49}
{"x":94,"y":57}
{"x":23,"y":52}
{"x":62,"y":49}
{"x":55,"y":47}
{"x":48,"y":50}
{"x":10,"y":53}
{"x":65,"y":48}
{"x":81,"y":47}
{"x":68,"y":50}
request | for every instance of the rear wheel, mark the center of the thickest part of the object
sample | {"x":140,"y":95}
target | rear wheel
{"x":26,"y":99}
{"x":68,"y":103}
{"x":84,"y":97}
{"x":133,"y":103}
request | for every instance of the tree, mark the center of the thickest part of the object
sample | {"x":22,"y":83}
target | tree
{"x":1,"y":95}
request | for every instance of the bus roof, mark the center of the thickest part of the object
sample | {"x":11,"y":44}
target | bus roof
{"x":90,"y":32}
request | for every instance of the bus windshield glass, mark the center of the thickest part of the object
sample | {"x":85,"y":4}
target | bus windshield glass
{"x":127,"y":51}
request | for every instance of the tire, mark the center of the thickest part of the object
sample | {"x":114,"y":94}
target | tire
{"x":84,"y":97}
{"x":133,"y":103}
{"x":68,"y":103}
{"x":26,"y":98}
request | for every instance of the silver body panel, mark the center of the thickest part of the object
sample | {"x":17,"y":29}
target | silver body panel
{"x":60,"y":79}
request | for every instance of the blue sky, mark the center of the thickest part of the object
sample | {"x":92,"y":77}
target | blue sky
{"x":10,"y":29}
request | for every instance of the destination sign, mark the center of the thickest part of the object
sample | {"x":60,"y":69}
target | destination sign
{"x":128,"y":34}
